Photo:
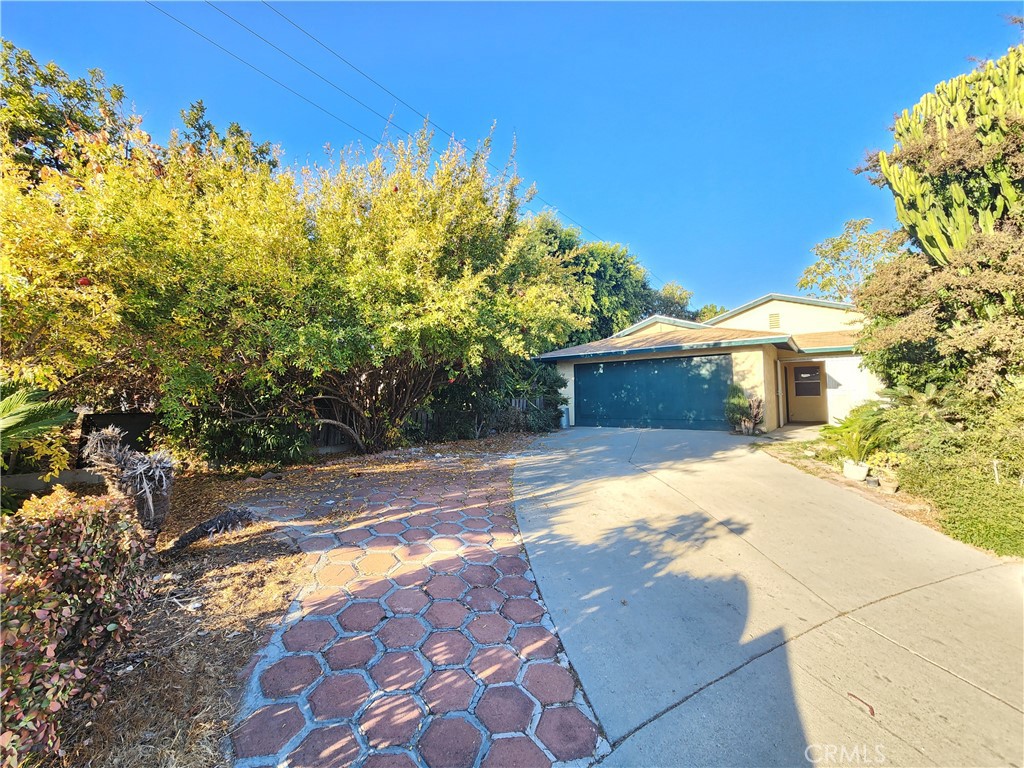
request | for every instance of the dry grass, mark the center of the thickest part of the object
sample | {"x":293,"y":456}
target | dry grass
{"x":173,"y":692}
{"x":174,"y":689}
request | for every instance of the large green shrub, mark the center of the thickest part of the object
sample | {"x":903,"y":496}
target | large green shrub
{"x":72,"y":571}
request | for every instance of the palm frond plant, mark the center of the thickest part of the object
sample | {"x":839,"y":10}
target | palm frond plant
{"x":28,"y":420}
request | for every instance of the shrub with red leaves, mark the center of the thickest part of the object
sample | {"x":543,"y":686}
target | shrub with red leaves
{"x":71,"y":572}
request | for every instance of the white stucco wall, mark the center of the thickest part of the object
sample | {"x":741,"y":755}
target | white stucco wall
{"x":848,"y":385}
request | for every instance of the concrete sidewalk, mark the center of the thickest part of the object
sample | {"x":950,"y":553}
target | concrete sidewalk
{"x":723,"y":608}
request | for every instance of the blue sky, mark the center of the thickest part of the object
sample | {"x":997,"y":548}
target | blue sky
{"x":713,"y":139}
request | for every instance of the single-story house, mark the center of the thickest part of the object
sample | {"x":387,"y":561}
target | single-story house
{"x":795,"y":352}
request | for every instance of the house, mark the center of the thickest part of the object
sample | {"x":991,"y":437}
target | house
{"x":795,"y":352}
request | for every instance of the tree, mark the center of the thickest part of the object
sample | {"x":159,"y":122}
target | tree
{"x":843,"y":262}
{"x":672,"y":300}
{"x":426,"y":276}
{"x":709,"y":311}
{"x":43,"y":108}
{"x":951,"y":309}
{"x":621,"y":294}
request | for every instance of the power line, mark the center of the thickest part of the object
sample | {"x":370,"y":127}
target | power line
{"x":341,"y":58}
{"x":257,"y":69}
{"x":314,"y":104}
{"x":394,"y":95}
{"x":312,"y":71}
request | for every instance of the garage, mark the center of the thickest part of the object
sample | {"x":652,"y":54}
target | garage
{"x":667,"y":393}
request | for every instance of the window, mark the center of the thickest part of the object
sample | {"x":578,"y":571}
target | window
{"x":773,"y":321}
{"x":807,"y":381}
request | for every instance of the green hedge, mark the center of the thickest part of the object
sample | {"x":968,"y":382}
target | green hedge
{"x":73,"y":570}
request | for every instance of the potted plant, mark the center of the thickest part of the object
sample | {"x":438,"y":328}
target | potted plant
{"x":884,"y":465}
{"x":744,"y":413}
{"x":854,"y":444}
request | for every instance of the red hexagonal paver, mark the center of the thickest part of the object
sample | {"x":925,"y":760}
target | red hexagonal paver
{"x":401,"y":633}
{"x":370,"y":588}
{"x":511,"y":566}
{"x":421,"y":521}
{"x":308,"y":635}
{"x":411,"y":575}
{"x":444,"y":648}
{"x":445,"y":543}
{"x":549,"y":682}
{"x":445,"y":615}
{"x":385,"y":543}
{"x":407,"y":600}
{"x":417,"y":534}
{"x":480,"y":575}
{"x":482,"y":599}
{"x":339,"y":696}
{"x":317,"y":543}
{"x":479,"y":552}
{"x":361,"y":617}
{"x":351,"y":652}
{"x":412,"y":552}
{"x":389,"y":761}
{"x":535,"y":643}
{"x":495,"y":665}
{"x":489,"y":628}
{"x":567,"y":732}
{"x":448,"y":690}
{"x":334,"y":746}
{"x":324,"y":601}
{"x":446,"y":587}
{"x":376,"y":563}
{"x":389,"y":527}
{"x":267,"y":730}
{"x":516,"y":586}
{"x":336,"y":574}
{"x":477,"y":523}
{"x":391,"y":721}
{"x":354,"y":535}
{"x":346,"y":554}
{"x":289,"y":676}
{"x":398,"y":670}
{"x":522,"y":610}
{"x":515,"y":752}
{"x":505,"y":709}
{"x":448,"y":529}
{"x":450,"y":743}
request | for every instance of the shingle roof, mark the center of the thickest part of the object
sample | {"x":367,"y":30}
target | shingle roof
{"x":811,"y":342}
{"x":668,"y":341}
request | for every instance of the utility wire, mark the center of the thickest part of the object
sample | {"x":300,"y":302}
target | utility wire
{"x":327,"y":112}
{"x":312,"y":71}
{"x":398,"y":98}
{"x":257,"y":69}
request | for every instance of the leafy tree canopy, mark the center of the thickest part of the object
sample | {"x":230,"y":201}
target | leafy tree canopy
{"x":844,"y":262}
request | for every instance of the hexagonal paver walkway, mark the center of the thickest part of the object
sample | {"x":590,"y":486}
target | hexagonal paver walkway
{"x":421,"y":638}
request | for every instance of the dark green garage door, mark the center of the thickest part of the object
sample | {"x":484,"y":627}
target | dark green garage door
{"x":672,"y":393}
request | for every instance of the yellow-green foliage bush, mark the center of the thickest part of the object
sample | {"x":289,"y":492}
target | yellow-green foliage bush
{"x":72,"y":572}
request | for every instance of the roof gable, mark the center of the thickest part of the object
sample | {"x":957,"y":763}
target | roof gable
{"x":658,"y":320}
{"x":779,"y":297}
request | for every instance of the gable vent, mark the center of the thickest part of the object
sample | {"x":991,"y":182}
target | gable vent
{"x":773,"y":321}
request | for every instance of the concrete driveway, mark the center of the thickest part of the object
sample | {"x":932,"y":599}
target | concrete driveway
{"x":723,"y":608}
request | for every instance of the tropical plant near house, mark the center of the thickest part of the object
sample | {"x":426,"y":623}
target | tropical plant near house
{"x":742,"y":411}
{"x":951,"y":309}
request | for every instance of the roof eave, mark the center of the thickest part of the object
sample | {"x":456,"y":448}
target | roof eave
{"x":786,"y":340}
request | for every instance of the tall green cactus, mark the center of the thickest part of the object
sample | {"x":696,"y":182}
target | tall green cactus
{"x":942,"y":208}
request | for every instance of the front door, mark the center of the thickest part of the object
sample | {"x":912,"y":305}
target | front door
{"x":806,"y":392}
